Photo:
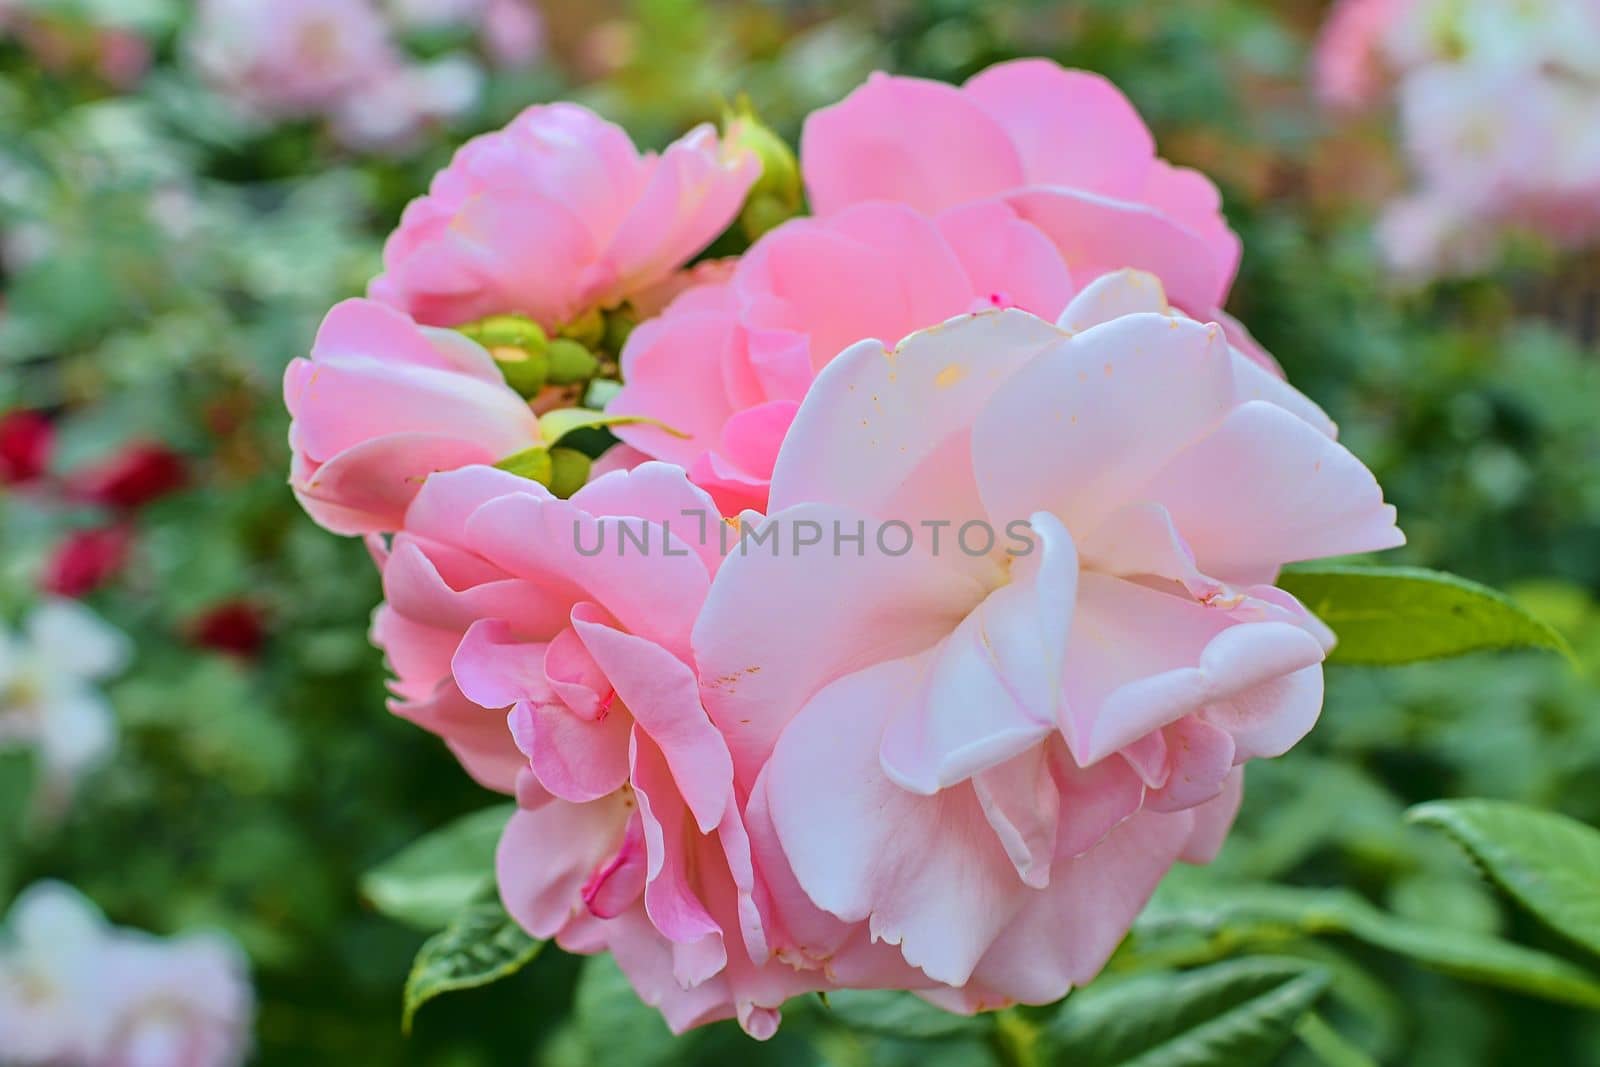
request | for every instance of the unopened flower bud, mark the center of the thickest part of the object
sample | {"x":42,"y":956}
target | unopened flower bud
{"x":588,"y":329}
{"x":776,"y":196}
{"x":569,"y":471}
{"x":571,"y":362}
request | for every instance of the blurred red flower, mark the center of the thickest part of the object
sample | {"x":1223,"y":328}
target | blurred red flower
{"x":141,"y":473}
{"x":232,"y":626}
{"x":85,"y":559}
{"x":25,"y":440}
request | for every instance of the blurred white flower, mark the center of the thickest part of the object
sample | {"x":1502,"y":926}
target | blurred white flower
{"x":290,"y":58}
{"x":48,"y":973}
{"x":391,"y":111}
{"x":48,"y":699}
{"x":1497,"y":103}
{"x":77,"y":992}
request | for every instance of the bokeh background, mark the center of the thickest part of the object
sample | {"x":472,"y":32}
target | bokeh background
{"x":164,"y":253}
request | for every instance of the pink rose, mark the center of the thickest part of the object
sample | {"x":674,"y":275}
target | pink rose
{"x":1349,"y":59}
{"x":557,"y":214}
{"x":552,"y":652}
{"x":381,"y":404}
{"x":908,"y":234}
{"x":291,"y":58}
{"x":729,"y":363}
{"x":183,"y":1002}
{"x":1064,"y":148}
{"x":989,"y":749}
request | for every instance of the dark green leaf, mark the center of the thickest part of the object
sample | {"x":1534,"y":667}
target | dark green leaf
{"x":1232,"y":1014}
{"x":481,"y":946}
{"x":432,"y":880}
{"x":1389,"y":615}
{"x":1548,"y":862}
{"x":1200,"y":925}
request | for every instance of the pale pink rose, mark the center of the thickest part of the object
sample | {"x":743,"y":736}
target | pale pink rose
{"x":75,"y":990}
{"x":184,"y":1002}
{"x":399,"y":103}
{"x":554,"y":657}
{"x":289,"y":58}
{"x":1064,"y":148}
{"x":1348,"y":64}
{"x":557,"y":214}
{"x":729,"y":363}
{"x":724,"y":369}
{"x":382,"y":403}
{"x":1425,"y":236}
{"x":1496,"y":103}
{"x":512,"y":33}
{"x":991,"y":759}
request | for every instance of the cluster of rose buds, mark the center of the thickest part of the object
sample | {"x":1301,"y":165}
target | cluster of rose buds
{"x":342,"y":60}
{"x":924,"y":616}
{"x":1497,"y":100}
{"x":77,"y":992}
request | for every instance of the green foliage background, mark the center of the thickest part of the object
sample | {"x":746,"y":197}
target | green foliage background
{"x":177,"y":261}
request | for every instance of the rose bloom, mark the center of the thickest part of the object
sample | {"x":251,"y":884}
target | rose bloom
{"x":992,"y":758}
{"x":49,"y":702}
{"x":78,"y":992}
{"x":908,"y":235}
{"x":382,"y":403}
{"x":26,"y":438}
{"x":139,"y":473}
{"x":555,"y":215}
{"x":558,"y":665}
{"x":84,"y":560}
{"x":290,"y":58}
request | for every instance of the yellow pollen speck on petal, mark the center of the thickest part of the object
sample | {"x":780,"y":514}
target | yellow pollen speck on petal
{"x":950,"y":376}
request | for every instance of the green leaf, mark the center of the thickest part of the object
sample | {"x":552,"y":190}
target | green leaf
{"x":1232,"y":1014}
{"x":554,"y":425}
{"x":432,"y":880}
{"x":1388,"y":615}
{"x":1328,"y":1045}
{"x":1548,"y":862}
{"x":481,"y":946}
{"x":897,"y":1014}
{"x":1200,"y":925}
{"x":533,"y":464}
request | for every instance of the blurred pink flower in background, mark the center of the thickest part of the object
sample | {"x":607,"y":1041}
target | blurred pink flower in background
{"x":1348,"y":67}
{"x":291,"y":58}
{"x":1497,"y":102}
{"x":77,"y":992}
{"x":339,"y":60}
{"x":991,"y":759}
{"x":64,"y":37}
{"x":555,"y":215}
